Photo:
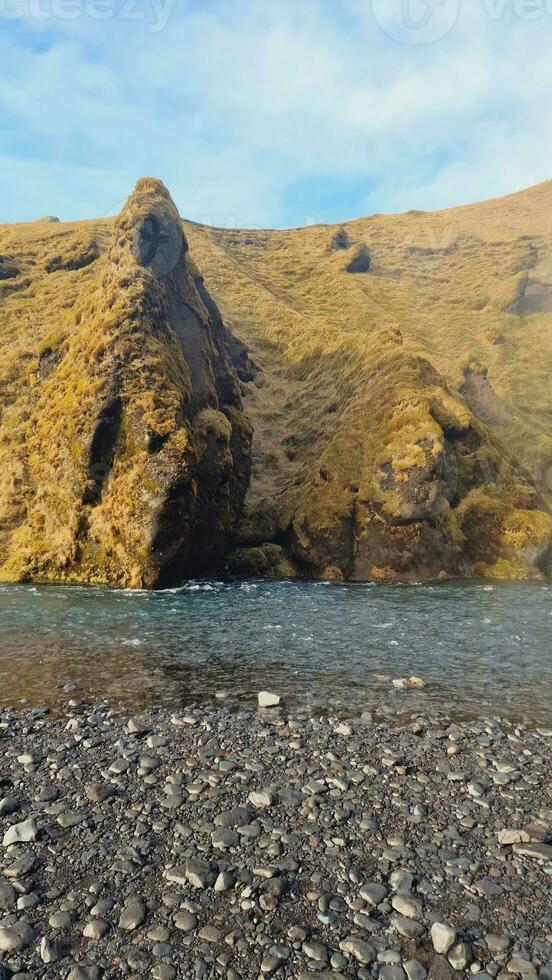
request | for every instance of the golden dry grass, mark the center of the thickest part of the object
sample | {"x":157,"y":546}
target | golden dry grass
{"x":344,"y":387}
{"x":87,"y":331}
{"x":445,"y":279}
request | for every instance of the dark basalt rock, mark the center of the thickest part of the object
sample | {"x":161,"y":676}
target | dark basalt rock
{"x":361,"y":260}
{"x":7,"y":269}
{"x":75,"y":258}
{"x":339,"y":241}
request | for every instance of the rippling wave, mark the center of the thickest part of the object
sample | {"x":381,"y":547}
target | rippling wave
{"x":481,"y":648}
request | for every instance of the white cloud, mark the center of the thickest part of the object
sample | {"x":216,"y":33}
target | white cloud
{"x":237,"y":102}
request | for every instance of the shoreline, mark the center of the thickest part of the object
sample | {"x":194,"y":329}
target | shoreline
{"x":227,"y":579}
{"x":256,"y":843}
{"x":481,"y":650}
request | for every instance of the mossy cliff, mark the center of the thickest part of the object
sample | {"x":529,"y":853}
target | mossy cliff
{"x":372,"y":401}
{"x":405,"y":484}
{"x":402,"y":409}
{"x":130,"y":460}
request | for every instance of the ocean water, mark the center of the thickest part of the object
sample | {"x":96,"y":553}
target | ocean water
{"x":483,"y":649}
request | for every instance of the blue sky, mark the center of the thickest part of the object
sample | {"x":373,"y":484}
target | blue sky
{"x":272,"y":112}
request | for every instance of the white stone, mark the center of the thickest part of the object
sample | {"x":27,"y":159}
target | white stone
{"x":132,"y":916}
{"x":138,"y":726}
{"x":362,"y":951}
{"x":261,"y":799}
{"x":21,"y":833}
{"x":459,"y":956}
{"x":507,"y":837}
{"x":405,"y":905}
{"x":224,"y":881}
{"x":48,"y":953}
{"x":95,"y":929}
{"x":343,"y":729}
{"x":268,"y":700}
{"x":405,"y":683}
{"x":443,"y":937}
{"x":28,"y":759}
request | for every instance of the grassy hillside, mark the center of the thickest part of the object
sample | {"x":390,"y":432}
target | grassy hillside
{"x":470,"y":289}
{"x":411,"y":400}
{"x":124,"y":451}
{"x":450,"y":281}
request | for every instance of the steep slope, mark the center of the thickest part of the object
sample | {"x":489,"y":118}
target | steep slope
{"x":395,"y":377}
{"x":450,"y":310}
{"x":125,"y":450}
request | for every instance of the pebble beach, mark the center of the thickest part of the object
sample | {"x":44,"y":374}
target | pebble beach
{"x":247,"y":844}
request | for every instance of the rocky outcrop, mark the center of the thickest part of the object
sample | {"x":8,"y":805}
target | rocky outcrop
{"x":339,"y":241}
{"x":7,"y":269}
{"x":533,"y":297}
{"x":482,"y":398}
{"x":135,"y":456}
{"x":266,"y":561}
{"x":413,"y":486}
{"x":360,"y":260}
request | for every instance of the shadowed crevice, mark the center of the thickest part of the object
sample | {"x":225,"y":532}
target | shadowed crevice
{"x":102,"y":451}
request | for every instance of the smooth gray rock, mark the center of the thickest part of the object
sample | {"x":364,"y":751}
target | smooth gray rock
{"x":132,"y":916}
{"x":16,"y":937}
{"x":362,"y":951}
{"x":185,"y":921}
{"x":21,"y":833}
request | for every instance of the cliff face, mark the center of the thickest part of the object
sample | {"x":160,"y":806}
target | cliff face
{"x":415,"y":487}
{"x":131,"y":457}
{"x":405,"y":484}
{"x":389,"y":418}
{"x":402,"y":412}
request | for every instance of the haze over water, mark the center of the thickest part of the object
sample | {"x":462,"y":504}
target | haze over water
{"x":484,"y":650}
